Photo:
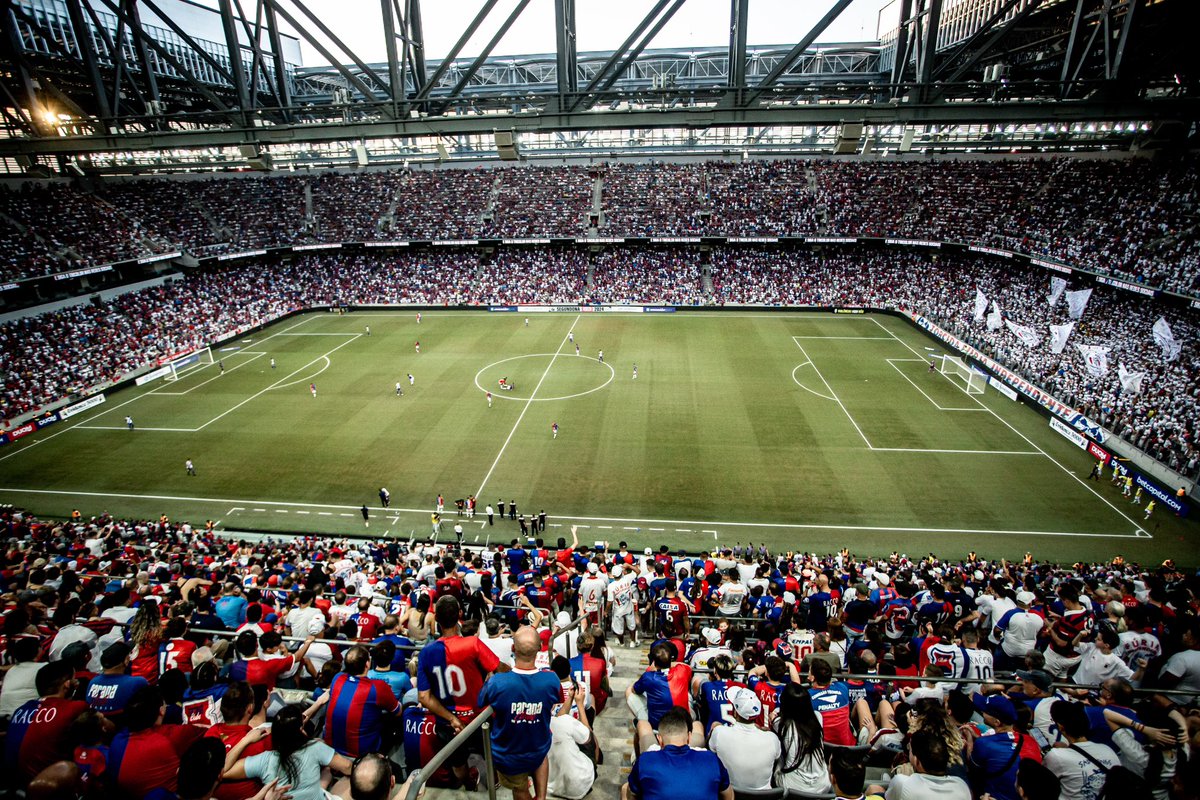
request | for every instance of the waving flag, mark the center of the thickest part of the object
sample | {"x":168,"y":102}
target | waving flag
{"x":1077,"y":301}
{"x":1166,"y":340}
{"x":1059,"y":335}
{"x":994,"y":320}
{"x":980,"y":305}
{"x":1095,"y":357}
{"x":1131,"y":382}
{"x":1028,"y":336}
{"x":1057,"y":285}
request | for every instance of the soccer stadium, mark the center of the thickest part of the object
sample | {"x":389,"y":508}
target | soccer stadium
{"x":650,"y":399}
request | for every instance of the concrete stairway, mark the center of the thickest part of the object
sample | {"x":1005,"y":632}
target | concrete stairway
{"x":613,"y":730}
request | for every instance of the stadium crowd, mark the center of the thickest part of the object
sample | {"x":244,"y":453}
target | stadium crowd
{"x":1133,"y":218}
{"x":142,"y":659}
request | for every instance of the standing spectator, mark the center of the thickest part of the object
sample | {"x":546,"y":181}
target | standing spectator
{"x":676,"y":771}
{"x":1182,"y":670}
{"x":524,"y":700}
{"x":748,"y":752}
{"x":802,"y":751}
{"x":1017,"y":631}
{"x":930,"y":758}
{"x":1081,"y":766}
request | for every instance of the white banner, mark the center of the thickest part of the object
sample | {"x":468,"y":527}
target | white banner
{"x":1077,"y":302}
{"x":1095,"y":357}
{"x":1059,"y":335}
{"x":1028,"y":336}
{"x":1068,"y":432}
{"x":980,"y":305}
{"x":1002,"y":387}
{"x":152,"y":376}
{"x":994,"y":320}
{"x":1166,"y":340}
{"x":1057,"y":285}
{"x":81,"y":406}
{"x":1131,"y":382}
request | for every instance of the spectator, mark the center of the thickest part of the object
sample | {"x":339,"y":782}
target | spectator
{"x":802,"y":764}
{"x":572,"y":773}
{"x":358,"y":707}
{"x":929,"y":756}
{"x":996,"y":757}
{"x":37,"y":732}
{"x":295,"y":758}
{"x":676,"y":771}
{"x":145,"y":755}
{"x":1082,"y":765}
{"x":748,"y":751}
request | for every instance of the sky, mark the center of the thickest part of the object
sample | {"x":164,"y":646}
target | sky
{"x":601,"y":24}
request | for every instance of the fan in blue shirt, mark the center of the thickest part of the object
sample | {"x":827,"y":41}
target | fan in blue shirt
{"x":677,"y":772}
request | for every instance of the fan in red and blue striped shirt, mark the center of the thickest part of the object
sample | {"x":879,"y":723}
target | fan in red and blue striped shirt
{"x":357,"y":707}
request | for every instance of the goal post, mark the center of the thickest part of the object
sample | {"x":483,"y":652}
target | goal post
{"x":955,"y":367}
{"x":196,"y":358}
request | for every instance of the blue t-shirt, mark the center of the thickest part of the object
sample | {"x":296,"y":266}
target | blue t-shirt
{"x":399,"y":681}
{"x":231,"y":610}
{"x":109,"y":694}
{"x":678,"y":773}
{"x":524,"y":702}
{"x":654,"y":687}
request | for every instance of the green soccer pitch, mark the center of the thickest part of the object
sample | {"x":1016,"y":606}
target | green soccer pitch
{"x":801,"y":430}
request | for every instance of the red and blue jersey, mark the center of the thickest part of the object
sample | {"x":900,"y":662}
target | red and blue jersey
{"x":367,"y":623}
{"x":714,"y":707}
{"x":453,"y":669}
{"x":260,"y":671}
{"x":769,"y":695}
{"x":354,"y":721}
{"x":141,"y":762}
{"x":833,"y":704}
{"x":672,"y":616}
{"x":654,"y":687}
{"x":421,"y":744}
{"x":37,"y":734}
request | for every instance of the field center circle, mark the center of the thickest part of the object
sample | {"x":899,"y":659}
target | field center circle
{"x":508,"y":396}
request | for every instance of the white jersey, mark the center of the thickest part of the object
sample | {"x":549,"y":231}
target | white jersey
{"x":1135,"y":646}
{"x":591,"y":593}
{"x":622,"y":594}
{"x":979,"y":667}
{"x":698,"y":660}
{"x":950,"y":657}
{"x":731,"y":595}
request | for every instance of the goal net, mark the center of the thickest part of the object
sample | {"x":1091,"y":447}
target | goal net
{"x":194,"y":359}
{"x":955,"y":368}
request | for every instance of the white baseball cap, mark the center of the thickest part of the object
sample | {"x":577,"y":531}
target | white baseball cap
{"x":744,"y":702}
{"x":616,"y":571}
{"x":1025,"y":598}
{"x":711,"y":635}
{"x":593,"y":568}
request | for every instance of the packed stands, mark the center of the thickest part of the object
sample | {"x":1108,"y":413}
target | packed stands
{"x":542,"y":201}
{"x":648,"y":275}
{"x":655,"y":199}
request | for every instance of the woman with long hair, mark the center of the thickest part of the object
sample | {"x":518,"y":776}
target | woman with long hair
{"x":145,"y":635}
{"x":417,"y":622}
{"x":295,"y":759}
{"x":802,"y":753}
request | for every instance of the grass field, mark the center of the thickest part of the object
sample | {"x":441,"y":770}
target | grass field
{"x":805,"y":431}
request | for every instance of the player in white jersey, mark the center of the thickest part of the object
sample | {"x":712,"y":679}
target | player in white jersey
{"x":622,"y":595}
{"x":591,"y":594}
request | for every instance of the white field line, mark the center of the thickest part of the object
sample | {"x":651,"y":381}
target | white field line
{"x":528,"y":403}
{"x":644,"y":521}
{"x":968,"y":452}
{"x":1138,"y":530}
{"x":854,"y":338}
{"x":936,"y":405}
{"x":308,"y":378}
{"x":833,"y":395}
{"x":135,"y":430}
{"x":215,"y":377}
{"x":806,"y":388}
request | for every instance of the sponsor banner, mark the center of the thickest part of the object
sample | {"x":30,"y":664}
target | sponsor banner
{"x":525,"y":241}
{"x":243,"y":254}
{"x":22,"y":432}
{"x":4,"y":287}
{"x":1001,"y":387}
{"x":160,"y":257}
{"x":1099,"y":452}
{"x":848,"y":311}
{"x":1167,"y":498}
{"x":454,"y":242}
{"x":81,"y":406}
{"x":1069,"y":433}
{"x":503,"y":308}
{"x":1054,"y":265}
{"x":302,"y":247}
{"x":913,"y":242}
{"x":830,"y":239}
{"x":600,"y":240}
{"x":659,"y":309}
{"x":752,"y":239}
{"x":152,"y":376}
{"x":1136,"y":288}
{"x":1044,"y":399}
{"x":676,"y":239}
{"x":991,"y":251}
{"x":49,"y":419}
{"x":79,"y":273}
{"x":385,"y":244}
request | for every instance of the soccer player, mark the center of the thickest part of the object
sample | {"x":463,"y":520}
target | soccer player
{"x":129,"y":422}
{"x":368,"y":330}
{"x":418,"y":317}
{"x":366,"y":516}
{"x":272,"y":363}
{"x":221,"y":364}
{"x":190,"y":467}
{"x":1149,"y":509}
{"x":489,"y":399}
{"x":932,"y":365}
{"x":312,"y":387}
{"x":441,"y":504}
{"x":600,"y":358}
{"x":554,"y":430}
{"x":635,"y":372}
{"x":450,"y":674}
{"x":1137,"y":497}
{"x":417,"y":346}
{"x":411,"y":380}
{"x":399,"y":390}
{"x":357,"y":707}
{"x":385,"y":497}
{"x":576,"y":349}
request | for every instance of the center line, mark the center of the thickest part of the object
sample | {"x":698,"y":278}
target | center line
{"x":528,"y":403}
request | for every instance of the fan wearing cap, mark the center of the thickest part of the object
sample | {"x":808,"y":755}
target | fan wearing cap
{"x":998,"y":755}
{"x":748,"y":752}
{"x":622,"y":598}
{"x":591,"y":593}
{"x":709,"y":647}
{"x":1038,"y":694}
{"x":110,"y":691}
{"x":1017,"y":631}
{"x":768,"y":680}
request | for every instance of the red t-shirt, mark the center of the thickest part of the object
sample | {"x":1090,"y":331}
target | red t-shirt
{"x":176,"y":654}
{"x":679,"y":679}
{"x":37,"y":734}
{"x":596,"y":670}
{"x":229,"y":736}
{"x":149,"y":759}
{"x":145,"y":662}
{"x":261,"y":671}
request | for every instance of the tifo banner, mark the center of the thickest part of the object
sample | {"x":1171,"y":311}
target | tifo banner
{"x":1131,"y":382}
{"x":994,"y":320}
{"x":1077,"y":302}
{"x":1025,"y":333}
{"x":1095,"y":358}
{"x":1166,"y":340}
{"x":1057,"y":285}
{"x":1059,"y":335}
{"x":1069,"y":433}
{"x":81,"y":406}
{"x":980,"y":305}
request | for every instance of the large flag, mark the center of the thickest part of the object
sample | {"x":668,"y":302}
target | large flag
{"x":1057,"y":285}
{"x":1131,"y":382}
{"x":1077,"y":301}
{"x":980,"y":305}
{"x":1028,"y":336}
{"x":1166,"y":340}
{"x":994,"y":320}
{"x":1059,"y":335}
{"x":1095,"y":357}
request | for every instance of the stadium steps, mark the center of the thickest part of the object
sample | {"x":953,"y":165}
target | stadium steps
{"x":598,"y":203}
{"x":613,"y":730}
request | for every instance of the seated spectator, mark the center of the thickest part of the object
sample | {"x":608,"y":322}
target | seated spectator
{"x":295,"y":759}
{"x":929,"y":756}
{"x":145,"y":755}
{"x":748,"y":751}
{"x":675,"y":771}
{"x":37,"y":732}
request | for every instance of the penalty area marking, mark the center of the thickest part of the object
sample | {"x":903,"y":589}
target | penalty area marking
{"x":714,"y":524}
{"x":805,"y":388}
{"x":612,"y":374}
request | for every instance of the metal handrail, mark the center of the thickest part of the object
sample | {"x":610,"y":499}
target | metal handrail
{"x":575,"y":623}
{"x":235,"y":634}
{"x":481,"y":721}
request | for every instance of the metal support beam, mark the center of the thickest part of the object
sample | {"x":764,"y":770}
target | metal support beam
{"x":235,"y":56}
{"x":620,"y":51}
{"x":979,"y":33}
{"x":329,"y":34}
{"x":1130,"y":8}
{"x":933,"y":24}
{"x":1071,"y":79}
{"x":566,"y":53}
{"x":483,"y":55}
{"x":91,"y":63}
{"x":1069,"y":55}
{"x":283,"y":89}
{"x":217,"y":66}
{"x":414,"y":37}
{"x":739,"y":12}
{"x":143,"y":54}
{"x":395,"y":71}
{"x":28,"y":105}
{"x":454,"y":51}
{"x":636,"y":51}
{"x":987,"y":47}
{"x":903,"y":38}
{"x":805,"y":42}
